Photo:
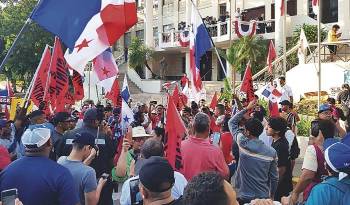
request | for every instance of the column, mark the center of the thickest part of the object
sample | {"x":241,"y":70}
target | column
{"x":215,"y":9}
{"x":188,"y":22}
{"x":344,"y":18}
{"x":268,"y":9}
{"x":278,"y":28}
{"x":302,"y":7}
{"x":228,"y":68}
{"x":148,"y":30}
{"x":160,"y":16}
{"x":176,"y":14}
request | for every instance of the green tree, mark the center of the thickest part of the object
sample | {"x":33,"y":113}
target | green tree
{"x":245,"y":49}
{"x":311,"y":36}
{"x":139,"y":55}
{"x":26,"y":56}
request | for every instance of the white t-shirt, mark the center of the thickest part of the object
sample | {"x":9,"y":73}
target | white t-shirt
{"x":176,"y":191}
{"x":286,"y":92}
{"x":310,"y":159}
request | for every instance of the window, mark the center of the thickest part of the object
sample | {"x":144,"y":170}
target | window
{"x":140,"y":34}
{"x":127,"y":39}
{"x":329,"y":11}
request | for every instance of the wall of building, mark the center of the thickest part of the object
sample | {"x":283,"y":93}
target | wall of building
{"x":173,"y":60}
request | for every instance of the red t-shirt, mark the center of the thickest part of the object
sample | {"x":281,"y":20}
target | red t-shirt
{"x":213,"y":126}
{"x":198,"y":156}
{"x":5,"y":158}
{"x":226,"y":146}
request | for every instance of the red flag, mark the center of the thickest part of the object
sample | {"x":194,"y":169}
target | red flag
{"x":282,"y":7}
{"x":174,"y":131}
{"x":37,"y":93}
{"x":214,"y":101}
{"x":271,"y":56}
{"x":273,"y":109}
{"x":176,"y":96}
{"x":59,"y":81}
{"x":113,"y":95}
{"x":77,"y":81}
{"x":316,"y":6}
{"x":247,"y":84}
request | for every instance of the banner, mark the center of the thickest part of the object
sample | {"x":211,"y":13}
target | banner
{"x":37,"y":94}
{"x":17,"y":103}
{"x":247,"y":84}
{"x":77,"y":82}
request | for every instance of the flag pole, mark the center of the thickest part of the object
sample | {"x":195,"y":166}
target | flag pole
{"x":285,"y":38}
{"x":23,"y":29}
{"x":49,"y":71}
{"x":211,"y":40}
{"x":319,"y":52}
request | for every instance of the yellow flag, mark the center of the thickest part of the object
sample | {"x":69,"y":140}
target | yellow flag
{"x":17,"y":103}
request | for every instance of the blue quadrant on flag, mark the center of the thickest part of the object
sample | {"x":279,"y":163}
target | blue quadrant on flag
{"x":66,"y":18}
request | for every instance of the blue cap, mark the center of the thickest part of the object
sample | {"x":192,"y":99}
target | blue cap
{"x":323,"y":107}
{"x":90,"y":114}
{"x":84,"y":138}
{"x":337,"y":156}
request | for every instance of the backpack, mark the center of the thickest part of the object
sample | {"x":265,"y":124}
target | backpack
{"x":343,"y":187}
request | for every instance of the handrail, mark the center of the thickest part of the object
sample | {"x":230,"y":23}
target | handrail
{"x":277,"y":60}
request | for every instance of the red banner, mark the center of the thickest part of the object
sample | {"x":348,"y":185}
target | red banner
{"x":114,"y":94}
{"x":247,"y":84}
{"x":37,"y":94}
{"x":77,"y":81}
{"x":174,"y":132}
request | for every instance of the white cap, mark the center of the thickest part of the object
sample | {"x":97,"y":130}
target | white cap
{"x":35,"y":138}
{"x":139,"y":132}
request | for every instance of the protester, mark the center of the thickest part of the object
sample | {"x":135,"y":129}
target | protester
{"x":325,"y":113}
{"x":216,"y":123}
{"x":333,"y":36}
{"x":286,"y":91}
{"x":277,"y":128}
{"x":17,"y":130}
{"x":313,"y":166}
{"x":337,"y":113}
{"x":83,"y":175}
{"x":150,"y":148}
{"x":335,"y":189}
{"x":5,"y":134}
{"x":210,"y":157}
{"x":256,"y":175}
{"x":103,"y":162}
{"x":157,"y":117}
{"x":226,"y":143}
{"x":61,"y":122}
{"x":5,"y":158}
{"x":209,"y":188}
{"x":343,"y":99}
{"x":157,"y":190}
{"x":122,"y":170}
{"x":184,"y":80}
{"x":38,"y":179}
{"x":288,"y":115}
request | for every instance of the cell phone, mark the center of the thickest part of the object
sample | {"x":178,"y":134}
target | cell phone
{"x":105,"y":176}
{"x":315,"y":128}
{"x":9,"y":196}
{"x":135,"y":195}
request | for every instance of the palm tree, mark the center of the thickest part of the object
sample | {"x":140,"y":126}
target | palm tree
{"x":139,"y":55}
{"x":244,"y":50}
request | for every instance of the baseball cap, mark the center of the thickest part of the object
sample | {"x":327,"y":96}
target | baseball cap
{"x":285,"y":102}
{"x":90,"y":114}
{"x":84,"y":138}
{"x":61,"y":117}
{"x":337,"y":157}
{"x":36,"y":113}
{"x":323,"y":107}
{"x":156,"y":174}
{"x":35,"y":138}
{"x":139,"y":132}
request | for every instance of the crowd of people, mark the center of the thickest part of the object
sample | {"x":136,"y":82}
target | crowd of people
{"x":232,"y":154}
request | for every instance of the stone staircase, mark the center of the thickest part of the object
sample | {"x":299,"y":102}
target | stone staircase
{"x":132,"y":87}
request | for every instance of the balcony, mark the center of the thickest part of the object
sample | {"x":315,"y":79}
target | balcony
{"x":220,"y":33}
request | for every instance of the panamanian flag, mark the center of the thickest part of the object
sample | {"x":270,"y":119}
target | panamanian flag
{"x":127,"y":116}
{"x":272,"y":94}
{"x":200,"y":43}
{"x":86,"y":27}
{"x":125,"y":93}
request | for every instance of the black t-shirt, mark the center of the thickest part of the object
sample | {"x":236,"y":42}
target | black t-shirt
{"x":282,"y":148}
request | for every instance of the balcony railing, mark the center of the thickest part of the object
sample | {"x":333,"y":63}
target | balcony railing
{"x":220,"y":32}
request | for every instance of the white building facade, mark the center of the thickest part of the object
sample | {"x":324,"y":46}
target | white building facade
{"x":161,"y":21}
